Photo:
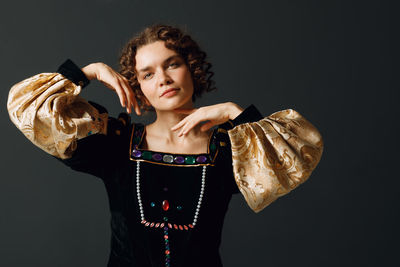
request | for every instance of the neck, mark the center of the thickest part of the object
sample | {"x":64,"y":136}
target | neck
{"x":165,"y":120}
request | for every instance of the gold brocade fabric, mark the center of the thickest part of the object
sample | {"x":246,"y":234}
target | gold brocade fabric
{"x":48,"y":110}
{"x":273,"y":156}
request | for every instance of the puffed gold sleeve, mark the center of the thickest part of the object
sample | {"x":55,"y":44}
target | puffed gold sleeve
{"x":273,"y":156}
{"x":48,"y":110}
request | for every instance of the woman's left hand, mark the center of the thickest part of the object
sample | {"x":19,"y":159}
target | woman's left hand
{"x":214,"y":114}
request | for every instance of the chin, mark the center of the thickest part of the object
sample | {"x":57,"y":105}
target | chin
{"x":174,"y":104}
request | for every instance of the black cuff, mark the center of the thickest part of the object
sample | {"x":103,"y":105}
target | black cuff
{"x":250,"y":114}
{"x":73,"y":73}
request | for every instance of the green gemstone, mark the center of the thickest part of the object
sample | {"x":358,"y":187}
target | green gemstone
{"x":166,"y":241}
{"x":213,"y":147}
{"x":166,"y":219}
{"x":167,"y":256}
{"x":179,"y":207}
{"x":146,"y":155}
{"x":189,"y":160}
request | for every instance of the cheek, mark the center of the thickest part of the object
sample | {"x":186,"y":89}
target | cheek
{"x":147,"y":90}
{"x":187,"y":78}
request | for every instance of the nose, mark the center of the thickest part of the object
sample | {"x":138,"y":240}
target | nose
{"x":165,"y":79}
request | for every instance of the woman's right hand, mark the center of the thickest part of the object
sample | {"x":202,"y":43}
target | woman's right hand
{"x":115,"y":82}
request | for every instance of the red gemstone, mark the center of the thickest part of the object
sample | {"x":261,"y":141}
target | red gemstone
{"x":144,"y":221}
{"x":167,"y":252}
{"x":157,"y":224}
{"x":147,"y":224}
{"x":161,"y":225}
{"x":176,"y":226}
{"x":169,"y":225}
{"x":191,"y":226}
{"x":180,"y":227}
{"x":165,"y":237}
{"x":165,"y":205}
{"x":186,"y":228}
{"x":152,"y":224}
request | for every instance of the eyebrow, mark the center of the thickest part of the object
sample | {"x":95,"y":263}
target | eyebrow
{"x":168,"y":59}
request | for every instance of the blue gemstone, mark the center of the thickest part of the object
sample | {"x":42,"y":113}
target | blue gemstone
{"x":136,"y":153}
{"x":157,"y":157}
{"x":165,"y":228}
{"x":152,"y":204}
{"x":201,"y":159}
{"x":179,"y":159}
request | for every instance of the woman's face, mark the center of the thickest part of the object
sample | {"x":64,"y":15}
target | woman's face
{"x":159,"y":69}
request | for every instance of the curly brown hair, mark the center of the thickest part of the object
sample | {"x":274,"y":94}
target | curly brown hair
{"x":176,"y":40}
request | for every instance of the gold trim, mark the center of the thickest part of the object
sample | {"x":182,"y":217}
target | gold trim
{"x":222,"y":130}
{"x":170,"y":164}
{"x":130,"y":142}
{"x":222,"y":143}
{"x":122,"y":120}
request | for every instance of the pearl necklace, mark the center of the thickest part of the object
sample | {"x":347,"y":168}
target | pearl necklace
{"x":161,"y":225}
{"x":203,"y":182}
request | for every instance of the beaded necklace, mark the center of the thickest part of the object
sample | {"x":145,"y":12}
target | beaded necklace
{"x":165,"y":225}
{"x":178,"y":160}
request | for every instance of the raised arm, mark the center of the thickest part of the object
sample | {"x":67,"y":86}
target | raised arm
{"x":49,"y":111}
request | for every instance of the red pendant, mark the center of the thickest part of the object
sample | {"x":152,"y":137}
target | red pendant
{"x":165,"y":205}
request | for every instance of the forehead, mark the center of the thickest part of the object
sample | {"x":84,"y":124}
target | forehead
{"x":152,"y":55}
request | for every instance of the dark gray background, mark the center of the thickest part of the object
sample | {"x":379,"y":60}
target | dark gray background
{"x":335,"y":62}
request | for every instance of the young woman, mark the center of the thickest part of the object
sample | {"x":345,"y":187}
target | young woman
{"x":169,"y":183}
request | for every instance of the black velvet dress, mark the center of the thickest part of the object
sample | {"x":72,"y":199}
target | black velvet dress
{"x":166,"y":209}
{"x":170,"y":186}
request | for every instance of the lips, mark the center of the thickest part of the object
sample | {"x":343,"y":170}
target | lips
{"x":168,"y":90}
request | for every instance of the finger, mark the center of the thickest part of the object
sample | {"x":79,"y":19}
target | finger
{"x":128,"y":95}
{"x":135,"y":103}
{"x":133,"y":99}
{"x":188,"y":126}
{"x":120,"y":94}
{"x":180,"y":124}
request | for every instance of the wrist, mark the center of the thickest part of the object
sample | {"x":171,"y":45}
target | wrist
{"x":234,"y":110}
{"x":90,"y":71}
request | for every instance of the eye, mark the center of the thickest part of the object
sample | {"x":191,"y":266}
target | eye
{"x":173,"y":64}
{"x":145,"y":76}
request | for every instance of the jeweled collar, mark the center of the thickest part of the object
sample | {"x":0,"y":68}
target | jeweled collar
{"x":181,"y":160}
